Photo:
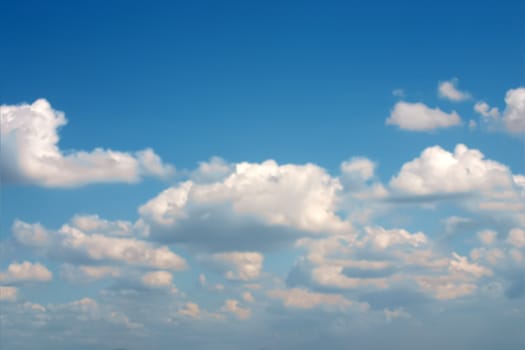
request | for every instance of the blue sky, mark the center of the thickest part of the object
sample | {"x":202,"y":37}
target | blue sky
{"x":211,"y":173}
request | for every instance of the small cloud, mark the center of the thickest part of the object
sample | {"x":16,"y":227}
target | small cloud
{"x":448,"y":90}
{"x":420,"y":117}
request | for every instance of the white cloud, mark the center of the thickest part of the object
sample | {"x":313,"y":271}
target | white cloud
{"x":357,"y":170}
{"x":242,"y":266}
{"x":157,"y":279}
{"x":489,"y":113}
{"x":26,"y":272}
{"x":448,"y":89}
{"x":437,"y":171}
{"x":191,"y":310}
{"x":512,"y":119}
{"x":514,"y":114}
{"x":216,"y":169}
{"x":445,"y":287}
{"x":516,"y":237}
{"x":8,"y":293}
{"x":461,"y":264}
{"x":303,"y":196}
{"x":382,"y":238}
{"x":487,"y":237}
{"x":258,"y":205}
{"x":71,"y":242}
{"x":93,"y":223}
{"x":30,"y":153}
{"x":232,"y":306}
{"x":420,"y":117}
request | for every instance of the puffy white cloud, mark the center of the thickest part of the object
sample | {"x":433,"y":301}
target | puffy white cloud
{"x":382,"y":238}
{"x":30,"y":153}
{"x":26,"y":271}
{"x":158,"y":279}
{"x":32,"y":235}
{"x":232,"y":306}
{"x":512,"y":119}
{"x":445,"y":287}
{"x":448,"y":89}
{"x":257,"y":206}
{"x":461,"y":264}
{"x":8,"y":293}
{"x":487,"y":237}
{"x":305,"y":299}
{"x":420,"y":117}
{"x":71,"y":243}
{"x":93,"y":223}
{"x":216,"y":169}
{"x":191,"y":310}
{"x":516,"y":237}
{"x":301,"y":196}
{"x":437,"y":171}
{"x":514,"y":114}
{"x":358,"y":168}
{"x":489,"y":113}
{"x":242,"y":266}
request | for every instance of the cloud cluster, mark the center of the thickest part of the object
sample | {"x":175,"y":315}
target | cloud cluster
{"x":512,"y":120}
{"x":229,"y":220}
{"x":71,"y":244}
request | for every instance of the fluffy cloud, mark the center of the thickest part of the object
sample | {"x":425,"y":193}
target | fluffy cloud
{"x":437,"y":171}
{"x":93,"y":223}
{"x":71,"y":243}
{"x":232,"y":306}
{"x":242,"y":266}
{"x":30,"y":153}
{"x":359,"y":168}
{"x":512,"y":119}
{"x":516,"y":237}
{"x":487,"y":237}
{"x":26,"y":272}
{"x":489,"y":113}
{"x":256,"y":205}
{"x":158,"y":279}
{"x":8,"y":293}
{"x":448,"y":89}
{"x":191,"y":310}
{"x":420,"y":117}
{"x":514,"y":115}
{"x":382,"y":238}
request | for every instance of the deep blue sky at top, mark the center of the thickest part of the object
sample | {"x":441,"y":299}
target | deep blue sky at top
{"x":296,"y":81}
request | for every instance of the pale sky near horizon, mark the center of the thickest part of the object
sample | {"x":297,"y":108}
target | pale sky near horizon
{"x":262,"y":175}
